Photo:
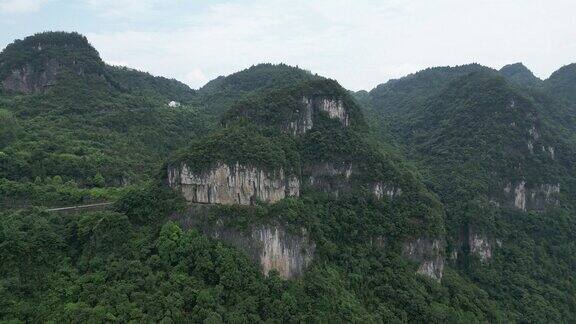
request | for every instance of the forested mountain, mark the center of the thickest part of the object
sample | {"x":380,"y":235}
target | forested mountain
{"x":500,"y":154}
{"x":520,"y":74}
{"x":218,"y":94}
{"x":275,"y":195}
{"x":70,"y":123}
{"x":562,"y":83}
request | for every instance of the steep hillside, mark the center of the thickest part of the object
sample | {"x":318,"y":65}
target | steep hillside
{"x":39,"y":62}
{"x":520,"y":74}
{"x":77,"y":130}
{"x":219,"y":94}
{"x":289,"y":212}
{"x":145,"y":84}
{"x":502,"y":166}
{"x":397,"y":95}
{"x":311,"y":131}
{"x":275,"y":195}
{"x":562,"y":83}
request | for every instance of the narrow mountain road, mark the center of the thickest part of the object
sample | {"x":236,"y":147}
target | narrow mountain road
{"x":81,"y":207}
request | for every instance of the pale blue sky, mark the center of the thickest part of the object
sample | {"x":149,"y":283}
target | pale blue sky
{"x":360,"y":43}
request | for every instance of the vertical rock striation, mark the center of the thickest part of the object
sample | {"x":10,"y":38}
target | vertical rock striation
{"x":305,"y":117}
{"x":329,"y":177}
{"x":288,"y":254}
{"x":271,"y":246}
{"x":335,"y":109}
{"x":27,"y":80}
{"x":480,"y":246}
{"x":381,"y":189}
{"x":429,"y":254}
{"x":228,"y":185}
{"x":537,"y":198}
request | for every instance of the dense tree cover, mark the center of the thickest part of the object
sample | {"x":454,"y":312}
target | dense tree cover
{"x":241,"y":143}
{"x":112,"y":266}
{"x":562,"y":83}
{"x":35,"y":52}
{"x":53,"y":191}
{"x":116,"y":140}
{"x":283,"y":104}
{"x":471,"y":132}
{"x":255,"y":134}
{"x":532,"y":273}
{"x":145,"y":84}
{"x":8,"y":128}
{"x":219,"y":94}
{"x":90,"y":130}
{"x":519,"y":74}
{"x":105,"y":134}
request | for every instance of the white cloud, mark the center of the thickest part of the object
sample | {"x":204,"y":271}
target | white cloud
{"x":127,"y":9}
{"x":20,"y":6}
{"x":195,"y":76}
{"x":359,"y":43}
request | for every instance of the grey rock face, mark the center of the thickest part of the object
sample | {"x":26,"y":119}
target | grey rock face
{"x":536,"y":198}
{"x":304,"y":121}
{"x":329,"y":177}
{"x":27,"y":80}
{"x":228,"y":185}
{"x":480,"y":246}
{"x":427,"y":252}
{"x":381,"y":189}
{"x":271,"y":246}
{"x":288,"y":254}
{"x":335,"y":109}
{"x":475,"y":242}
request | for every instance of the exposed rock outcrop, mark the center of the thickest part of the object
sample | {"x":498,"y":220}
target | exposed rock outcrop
{"x":336,"y":178}
{"x":480,"y":246}
{"x":520,"y":196}
{"x":329,"y":177}
{"x":271,"y":246}
{"x":334,"y":108}
{"x":27,"y":80}
{"x":382,"y":189}
{"x":305,"y":117}
{"x":288,"y":254}
{"x":236,"y":184}
{"x":476,"y":242}
{"x":429,"y":254}
{"x":536,"y":198}
{"x":303,"y":122}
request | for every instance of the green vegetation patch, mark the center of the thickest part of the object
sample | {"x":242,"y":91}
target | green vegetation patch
{"x":244,"y":144}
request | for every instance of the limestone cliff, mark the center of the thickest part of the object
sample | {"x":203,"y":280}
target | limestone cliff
{"x":329,"y":177}
{"x":536,"y":197}
{"x":38,"y":62}
{"x":288,"y":254}
{"x":480,"y":246}
{"x":336,"y":178}
{"x":381,"y":190}
{"x":236,"y":184}
{"x":27,"y":79}
{"x":477,"y":243}
{"x":304,"y":120}
{"x":429,"y":253}
{"x":271,"y":246}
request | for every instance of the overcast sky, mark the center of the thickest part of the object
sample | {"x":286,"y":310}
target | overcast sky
{"x":359,"y":43}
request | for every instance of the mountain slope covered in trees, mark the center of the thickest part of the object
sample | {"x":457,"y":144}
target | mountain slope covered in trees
{"x":444,"y":196}
{"x":493,"y":146}
{"x":75,"y":129}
